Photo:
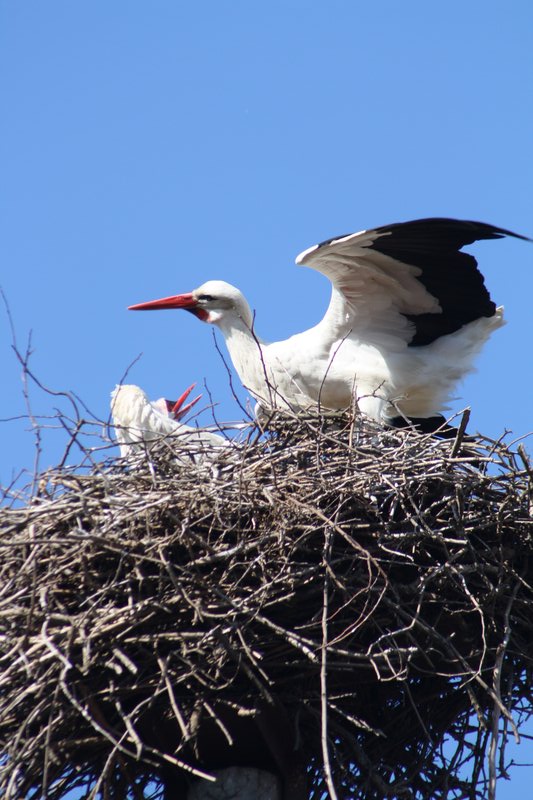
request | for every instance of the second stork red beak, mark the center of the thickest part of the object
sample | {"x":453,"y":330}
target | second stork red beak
{"x":185,"y":301}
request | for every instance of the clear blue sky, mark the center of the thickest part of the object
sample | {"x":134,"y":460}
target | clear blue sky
{"x":147,"y":147}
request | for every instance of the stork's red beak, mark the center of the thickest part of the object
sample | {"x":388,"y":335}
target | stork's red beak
{"x":186,"y":301}
{"x":176,"y":409}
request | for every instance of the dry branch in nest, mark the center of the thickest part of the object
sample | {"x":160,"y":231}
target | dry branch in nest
{"x":347,"y":607}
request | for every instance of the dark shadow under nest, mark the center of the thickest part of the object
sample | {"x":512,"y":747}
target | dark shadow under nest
{"x":161,"y":621}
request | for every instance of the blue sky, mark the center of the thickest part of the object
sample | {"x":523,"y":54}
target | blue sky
{"x":147,"y":147}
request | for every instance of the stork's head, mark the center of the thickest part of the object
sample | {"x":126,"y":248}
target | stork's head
{"x":216,"y":302}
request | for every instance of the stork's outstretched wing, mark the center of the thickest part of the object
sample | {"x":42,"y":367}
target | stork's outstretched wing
{"x":412,"y":271}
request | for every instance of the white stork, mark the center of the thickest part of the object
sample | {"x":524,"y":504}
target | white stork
{"x":140,"y":422}
{"x":408,"y":313}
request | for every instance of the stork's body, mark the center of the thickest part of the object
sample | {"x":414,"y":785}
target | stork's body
{"x":408,"y":314}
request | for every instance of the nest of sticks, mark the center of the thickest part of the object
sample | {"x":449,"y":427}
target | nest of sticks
{"x":346,"y":606}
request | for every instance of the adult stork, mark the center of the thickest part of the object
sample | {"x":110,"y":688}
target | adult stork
{"x":408,"y":313}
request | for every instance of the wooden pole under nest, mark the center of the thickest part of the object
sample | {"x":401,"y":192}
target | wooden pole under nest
{"x":238,"y":783}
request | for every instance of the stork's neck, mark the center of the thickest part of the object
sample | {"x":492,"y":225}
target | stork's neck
{"x":245,"y":350}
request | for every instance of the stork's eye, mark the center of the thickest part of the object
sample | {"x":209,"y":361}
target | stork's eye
{"x":206,"y":297}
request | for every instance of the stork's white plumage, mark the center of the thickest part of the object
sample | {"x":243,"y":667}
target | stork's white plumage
{"x":408,"y":313}
{"x":140,"y":422}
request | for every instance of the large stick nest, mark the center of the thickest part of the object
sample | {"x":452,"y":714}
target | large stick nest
{"x":348,"y":607}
